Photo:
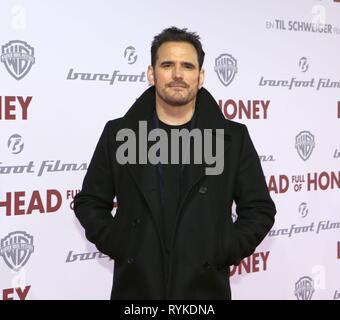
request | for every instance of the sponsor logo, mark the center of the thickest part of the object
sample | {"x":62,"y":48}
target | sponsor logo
{"x":304,"y":144}
{"x":13,"y":108}
{"x":303,"y":64}
{"x":130,"y":55}
{"x":314,"y":181}
{"x":255,"y":263}
{"x":18,"y":17}
{"x":116,"y":76}
{"x":16,"y":249}
{"x":72,"y":257}
{"x":315,"y":227}
{"x":336,"y":293}
{"x":46,"y":166}
{"x":304,"y":288}
{"x":302,"y":26}
{"x":336,"y":154}
{"x":295,"y":83}
{"x":267,"y":158}
{"x":15,"y":143}
{"x":319,"y":277}
{"x":18,"y":58}
{"x":15,"y":293}
{"x":303,"y":210}
{"x":244,"y":109}
{"x":226,"y":68}
{"x":21,"y":203}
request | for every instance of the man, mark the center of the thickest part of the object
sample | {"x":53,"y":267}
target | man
{"x":172,"y":236}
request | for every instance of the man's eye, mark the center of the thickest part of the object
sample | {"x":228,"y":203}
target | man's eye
{"x":188,"y":66}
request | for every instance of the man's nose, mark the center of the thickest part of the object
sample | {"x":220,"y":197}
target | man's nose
{"x":177,"y":72}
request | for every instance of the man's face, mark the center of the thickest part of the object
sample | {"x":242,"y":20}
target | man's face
{"x":176,"y":74}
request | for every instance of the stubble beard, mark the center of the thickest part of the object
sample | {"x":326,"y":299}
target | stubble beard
{"x":176,"y":98}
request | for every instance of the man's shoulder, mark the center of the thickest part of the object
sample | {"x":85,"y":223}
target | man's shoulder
{"x":113,"y":124}
{"x":234,"y":127}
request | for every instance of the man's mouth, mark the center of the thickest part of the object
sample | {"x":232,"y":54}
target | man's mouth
{"x":177,"y":86}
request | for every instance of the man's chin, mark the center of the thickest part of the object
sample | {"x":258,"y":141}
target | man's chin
{"x":176,"y":103}
{"x":175,"y":100}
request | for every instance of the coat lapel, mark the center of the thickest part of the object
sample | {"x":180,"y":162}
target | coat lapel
{"x":145,"y":175}
{"x":147,"y":181}
{"x":208,"y":116}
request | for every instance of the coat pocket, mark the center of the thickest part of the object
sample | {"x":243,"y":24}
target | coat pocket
{"x":117,"y":242}
{"x":228,"y":251}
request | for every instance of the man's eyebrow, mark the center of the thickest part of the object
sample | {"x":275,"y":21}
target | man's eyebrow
{"x":166,"y":61}
{"x":188,"y":63}
{"x":182,"y":62}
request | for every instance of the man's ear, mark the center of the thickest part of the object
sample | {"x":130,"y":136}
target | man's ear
{"x":201,"y":79}
{"x":150,"y":75}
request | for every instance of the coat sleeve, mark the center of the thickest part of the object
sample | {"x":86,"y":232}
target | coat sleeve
{"x":254,"y":206}
{"x":94,"y":203}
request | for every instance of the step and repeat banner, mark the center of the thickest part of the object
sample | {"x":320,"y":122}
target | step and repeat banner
{"x":67,"y":67}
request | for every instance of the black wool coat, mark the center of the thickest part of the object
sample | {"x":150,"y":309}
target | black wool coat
{"x":205,"y":241}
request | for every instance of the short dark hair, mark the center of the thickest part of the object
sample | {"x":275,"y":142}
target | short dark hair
{"x":177,"y":35}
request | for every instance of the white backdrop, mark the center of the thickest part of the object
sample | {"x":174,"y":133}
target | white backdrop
{"x":51,"y":119}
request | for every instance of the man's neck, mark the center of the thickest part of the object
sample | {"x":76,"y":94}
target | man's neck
{"x":174,"y":115}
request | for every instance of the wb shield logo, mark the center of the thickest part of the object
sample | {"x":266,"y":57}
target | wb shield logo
{"x":226,"y":68}
{"x":304,"y":288}
{"x":16,"y":248}
{"x":18,"y":58}
{"x":304,"y":144}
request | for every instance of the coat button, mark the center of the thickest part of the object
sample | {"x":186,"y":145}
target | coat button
{"x":136,"y":222}
{"x":130,"y":260}
{"x":206,"y":265}
{"x":203,"y":190}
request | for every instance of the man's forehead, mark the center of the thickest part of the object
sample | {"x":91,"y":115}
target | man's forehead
{"x":177,"y":50}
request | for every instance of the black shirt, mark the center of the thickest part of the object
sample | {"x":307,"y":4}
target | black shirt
{"x":170,"y":178}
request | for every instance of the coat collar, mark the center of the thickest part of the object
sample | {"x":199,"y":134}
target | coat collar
{"x":208,"y":113}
